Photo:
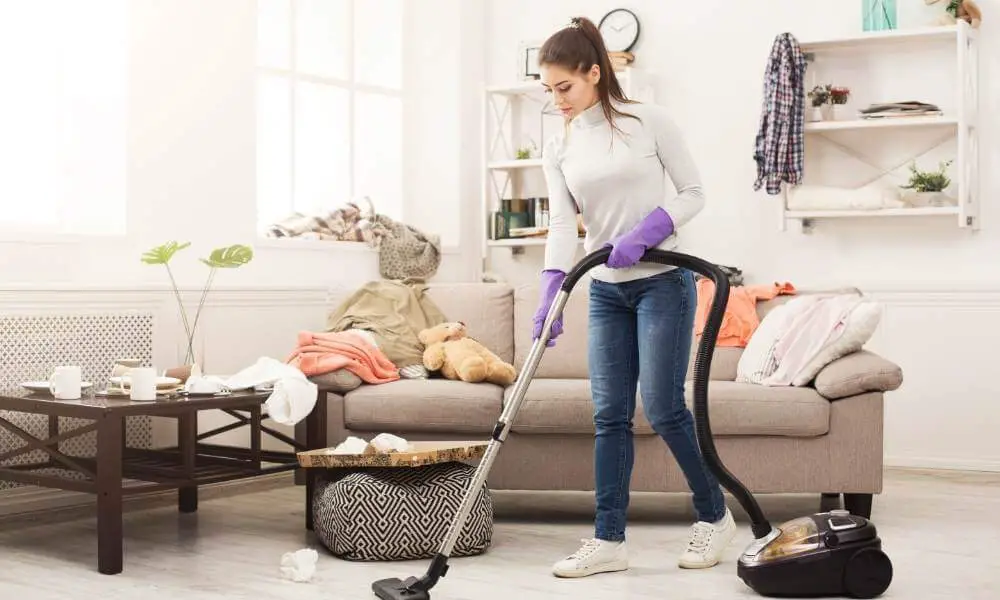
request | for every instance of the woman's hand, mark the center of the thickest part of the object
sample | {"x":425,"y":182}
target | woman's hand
{"x":551,"y":280}
{"x":628,"y":249}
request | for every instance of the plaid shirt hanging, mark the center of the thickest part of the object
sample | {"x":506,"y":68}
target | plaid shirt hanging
{"x":779,"y":146}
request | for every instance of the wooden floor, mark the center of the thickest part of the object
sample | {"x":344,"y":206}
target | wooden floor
{"x":939,"y":529}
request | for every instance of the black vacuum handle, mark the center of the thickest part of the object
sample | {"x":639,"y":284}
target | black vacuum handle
{"x":702,"y":365}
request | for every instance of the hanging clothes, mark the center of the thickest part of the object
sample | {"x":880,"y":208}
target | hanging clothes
{"x":779,"y":146}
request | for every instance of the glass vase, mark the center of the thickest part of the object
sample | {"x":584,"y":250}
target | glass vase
{"x":879,"y":15}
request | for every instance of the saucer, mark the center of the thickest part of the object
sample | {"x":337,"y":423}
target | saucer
{"x":43,"y":386}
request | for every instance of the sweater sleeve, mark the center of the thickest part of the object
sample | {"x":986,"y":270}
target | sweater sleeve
{"x":680,"y":167}
{"x":562,"y":239}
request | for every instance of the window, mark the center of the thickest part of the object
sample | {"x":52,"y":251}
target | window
{"x":63,"y":117}
{"x":329,"y":106}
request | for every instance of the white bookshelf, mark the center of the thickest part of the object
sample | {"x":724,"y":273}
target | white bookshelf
{"x":512,"y":113}
{"x":958,"y":124}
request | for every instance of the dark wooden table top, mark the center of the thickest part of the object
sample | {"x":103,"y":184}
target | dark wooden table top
{"x":91,"y":405}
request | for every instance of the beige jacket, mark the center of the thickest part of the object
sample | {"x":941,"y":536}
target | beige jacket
{"x":394,"y":312}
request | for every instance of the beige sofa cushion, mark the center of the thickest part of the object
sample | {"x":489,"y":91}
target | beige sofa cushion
{"x":562,"y":406}
{"x":487,"y":309}
{"x":568,"y":358}
{"x":748,"y":409}
{"x":565,"y":406}
{"x":426,"y":405}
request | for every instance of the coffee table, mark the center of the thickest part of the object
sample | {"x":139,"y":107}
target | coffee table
{"x":117,"y":471}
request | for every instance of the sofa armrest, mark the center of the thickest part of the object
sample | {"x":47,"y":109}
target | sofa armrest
{"x":857,"y":373}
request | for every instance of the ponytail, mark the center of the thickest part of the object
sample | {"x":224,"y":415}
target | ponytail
{"x":579,"y":47}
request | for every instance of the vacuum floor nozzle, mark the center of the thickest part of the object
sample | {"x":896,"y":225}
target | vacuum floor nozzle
{"x":395,"y":588}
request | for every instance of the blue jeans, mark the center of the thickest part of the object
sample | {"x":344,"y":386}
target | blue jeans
{"x":640,"y":332}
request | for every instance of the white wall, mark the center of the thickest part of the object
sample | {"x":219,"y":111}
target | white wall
{"x":938,"y":282}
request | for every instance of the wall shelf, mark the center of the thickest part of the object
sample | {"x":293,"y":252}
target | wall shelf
{"x":958,"y":124}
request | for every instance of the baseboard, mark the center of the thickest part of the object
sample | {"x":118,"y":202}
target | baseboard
{"x":942,"y":464}
{"x":28,"y":504}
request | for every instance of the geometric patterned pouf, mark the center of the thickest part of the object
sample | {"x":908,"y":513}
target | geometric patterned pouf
{"x":398,"y":513}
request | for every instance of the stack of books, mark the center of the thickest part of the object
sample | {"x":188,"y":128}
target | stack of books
{"x":910,"y":108}
{"x":620,"y":60}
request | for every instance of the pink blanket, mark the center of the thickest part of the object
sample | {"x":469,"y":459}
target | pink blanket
{"x":324,"y":352}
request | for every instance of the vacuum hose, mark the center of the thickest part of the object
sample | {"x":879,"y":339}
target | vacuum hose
{"x":703,"y":362}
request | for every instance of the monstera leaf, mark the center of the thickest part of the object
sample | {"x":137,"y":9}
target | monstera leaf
{"x":161,"y":255}
{"x":229,"y":257}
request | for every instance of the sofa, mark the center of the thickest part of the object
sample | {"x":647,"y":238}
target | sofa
{"x":825,"y":438}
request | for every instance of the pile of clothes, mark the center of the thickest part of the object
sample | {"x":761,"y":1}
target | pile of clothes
{"x":370,"y":337}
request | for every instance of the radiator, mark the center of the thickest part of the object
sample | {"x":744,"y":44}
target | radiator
{"x":32,"y":345}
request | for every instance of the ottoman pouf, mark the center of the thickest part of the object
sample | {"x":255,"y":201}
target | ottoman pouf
{"x":399,"y":513}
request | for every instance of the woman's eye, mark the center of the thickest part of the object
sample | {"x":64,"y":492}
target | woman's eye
{"x":564,"y":90}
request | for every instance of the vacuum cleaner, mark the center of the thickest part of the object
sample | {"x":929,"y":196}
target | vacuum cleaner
{"x":830,"y":553}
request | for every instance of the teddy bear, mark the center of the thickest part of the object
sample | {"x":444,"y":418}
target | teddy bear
{"x":966,"y":10}
{"x":448,"y":349}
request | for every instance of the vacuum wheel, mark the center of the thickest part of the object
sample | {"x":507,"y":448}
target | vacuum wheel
{"x":868,"y":573}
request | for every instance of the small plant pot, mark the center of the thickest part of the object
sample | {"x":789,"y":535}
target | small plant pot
{"x":930,"y":199}
{"x":814,"y":114}
{"x":828,"y":112}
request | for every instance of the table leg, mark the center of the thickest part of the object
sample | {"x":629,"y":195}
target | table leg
{"x":315,"y":439}
{"x":109,"y":495}
{"x":187,"y":441}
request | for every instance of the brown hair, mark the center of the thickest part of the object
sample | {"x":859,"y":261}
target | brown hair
{"x":578,"y":47}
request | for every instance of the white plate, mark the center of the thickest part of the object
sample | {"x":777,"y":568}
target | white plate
{"x":160,"y":381}
{"x":43,"y":386}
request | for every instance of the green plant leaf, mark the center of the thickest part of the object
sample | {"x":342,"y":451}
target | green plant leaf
{"x":161,"y":255}
{"x":229,"y":257}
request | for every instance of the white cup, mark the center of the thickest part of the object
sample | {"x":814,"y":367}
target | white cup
{"x":142,"y":384}
{"x":66,"y":383}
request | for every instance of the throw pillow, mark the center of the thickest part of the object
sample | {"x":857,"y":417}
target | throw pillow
{"x":758,"y":360}
{"x":858,"y":328}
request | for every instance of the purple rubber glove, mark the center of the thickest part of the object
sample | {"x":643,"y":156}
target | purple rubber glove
{"x":551,"y":280}
{"x":627,"y":249}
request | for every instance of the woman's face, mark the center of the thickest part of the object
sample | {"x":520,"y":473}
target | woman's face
{"x":572,"y":92}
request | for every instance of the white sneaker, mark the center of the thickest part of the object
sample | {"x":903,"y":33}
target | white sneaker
{"x":707,"y":543}
{"x":595,"y":556}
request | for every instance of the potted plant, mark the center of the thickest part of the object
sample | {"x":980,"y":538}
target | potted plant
{"x":825,"y":98}
{"x":928,"y":186}
{"x":819,"y":96}
{"x":228,"y":257}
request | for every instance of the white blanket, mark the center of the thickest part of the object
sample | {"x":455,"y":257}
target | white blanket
{"x":293,"y":396}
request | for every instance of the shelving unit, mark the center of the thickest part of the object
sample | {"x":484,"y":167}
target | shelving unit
{"x":959,"y":124}
{"x":508,"y":110}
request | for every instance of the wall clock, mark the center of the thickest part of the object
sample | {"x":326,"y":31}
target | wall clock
{"x":620,"y":30}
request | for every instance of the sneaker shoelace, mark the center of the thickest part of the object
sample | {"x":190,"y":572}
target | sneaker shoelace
{"x":701,"y":536}
{"x":589,"y":547}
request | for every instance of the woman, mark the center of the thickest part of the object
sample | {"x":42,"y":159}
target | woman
{"x":609,"y":164}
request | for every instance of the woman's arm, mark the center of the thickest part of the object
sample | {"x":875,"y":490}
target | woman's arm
{"x":679,"y":165}
{"x":561,"y":243}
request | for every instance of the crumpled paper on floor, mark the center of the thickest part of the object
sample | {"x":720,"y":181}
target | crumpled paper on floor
{"x":299,"y":566}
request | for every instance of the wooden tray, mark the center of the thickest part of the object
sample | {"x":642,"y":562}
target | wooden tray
{"x":420,"y":453}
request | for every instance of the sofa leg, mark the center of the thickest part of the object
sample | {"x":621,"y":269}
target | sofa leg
{"x":859,"y":504}
{"x":829,"y":501}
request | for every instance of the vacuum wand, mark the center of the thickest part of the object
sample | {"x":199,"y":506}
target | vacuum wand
{"x":413,"y":588}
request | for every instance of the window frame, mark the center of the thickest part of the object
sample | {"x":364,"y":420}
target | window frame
{"x":293,"y":76}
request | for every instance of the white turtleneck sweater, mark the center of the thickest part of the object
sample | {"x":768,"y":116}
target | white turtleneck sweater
{"x":616,"y":183}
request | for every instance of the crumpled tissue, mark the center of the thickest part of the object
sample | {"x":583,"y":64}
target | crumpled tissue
{"x":383,"y":443}
{"x":299,"y":566}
